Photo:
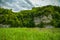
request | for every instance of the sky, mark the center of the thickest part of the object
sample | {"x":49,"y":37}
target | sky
{"x":17,"y":5}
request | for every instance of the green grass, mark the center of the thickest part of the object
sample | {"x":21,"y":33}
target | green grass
{"x":29,"y":34}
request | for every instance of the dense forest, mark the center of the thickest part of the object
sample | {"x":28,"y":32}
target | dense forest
{"x":36,"y":17}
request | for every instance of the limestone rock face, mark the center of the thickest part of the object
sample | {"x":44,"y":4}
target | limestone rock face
{"x":44,"y":19}
{"x":37,"y":20}
{"x":4,"y":26}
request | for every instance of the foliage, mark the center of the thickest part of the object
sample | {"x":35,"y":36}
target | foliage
{"x":25,"y":18}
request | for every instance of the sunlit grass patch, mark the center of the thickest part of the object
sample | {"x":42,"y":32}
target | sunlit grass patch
{"x":29,"y":34}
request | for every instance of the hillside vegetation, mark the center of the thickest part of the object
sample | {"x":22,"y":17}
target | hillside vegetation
{"x":37,"y":17}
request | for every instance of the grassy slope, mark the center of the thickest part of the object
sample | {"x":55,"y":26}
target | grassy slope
{"x":29,"y":34}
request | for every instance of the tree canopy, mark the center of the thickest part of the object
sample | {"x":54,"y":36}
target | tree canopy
{"x":25,"y":18}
